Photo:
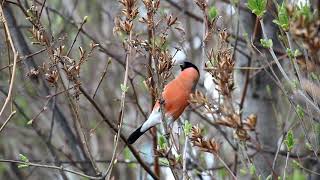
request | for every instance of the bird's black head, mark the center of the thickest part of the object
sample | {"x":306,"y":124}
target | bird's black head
{"x":187,"y":64}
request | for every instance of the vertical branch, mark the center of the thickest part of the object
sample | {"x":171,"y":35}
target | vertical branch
{"x":286,"y":164}
{"x":153,"y":100}
{"x":121,"y":114}
{"x":204,"y":34}
{"x":273,"y":54}
{"x":9,"y":59}
{"x":153,"y":58}
{"x":15,"y":54}
{"x":294,"y":61}
{"x":184,"y":160}
{"x":84,"y":138}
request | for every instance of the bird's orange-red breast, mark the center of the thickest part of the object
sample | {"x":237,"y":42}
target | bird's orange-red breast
{"x":175,"y":95}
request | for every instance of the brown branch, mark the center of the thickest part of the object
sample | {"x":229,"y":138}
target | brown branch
{"x":101,"y":78}
{"x":121,"y":113}
{"x":75,"y":38}
{"x":24,"y":58}
{"x":8,"y":119}
{"x":15,"y":54}
{"x":115,"y":129}
{"x":23,"y":47}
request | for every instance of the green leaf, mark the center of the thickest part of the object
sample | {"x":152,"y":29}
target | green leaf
{"x":305,"y":11}
{"x":164,"y":161}
{"x":23,"y":158}
{"x":289,"y":53}
{"x":293,"y":54}
{"x":213,"y":13}
{"x":289,"y":141}
{"x":266,"y":43}
{"x":127,"y":153}
{"x":30,"y":122}
{"x":252,"y":169}
{"x":283,"y":18}
{"x":124,"y":88}
{"x":243,"y":171}
{"x":314,"y":76}
{"x":298,"y":175}
{"x":309,"y":146}
{"x":295,"y":84}
{"x":296,"y":53}
{"x":162,"y":142}
{"x":178,"y":158}
{"x":296,"y":163}
{"x":269,"y":177}
{"x":257,"y":7}
{"x":23,"y":166}
{"x":187,"y":128}
{"x":300,"y":111}
{"x":222,"y":173}
{"x":268,"y":89}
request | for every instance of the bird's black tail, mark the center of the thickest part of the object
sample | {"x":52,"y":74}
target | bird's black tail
{"x":135,"y":135}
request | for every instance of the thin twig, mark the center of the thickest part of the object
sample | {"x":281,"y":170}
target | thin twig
{"x":308,"y":170}
{"x":44,"y":108}
{"x":115,"y":129}
{"x":283,"y":71}
{"x":61,"y":168}
{"x":273,"y":54}
{"x":75,"y":38}
{"x":84,"y":138}
{"x":295,"y":65}
{"x":184,"y":160}
{"x":285,"y":166}
{"x":136,"y":99}
{"x":42,"y":6}
{"x":63,"y":91}
{"x":24,"y":58}
{"x":225,"y":165}
{"x":15,"y":54}
{"x":8,"y":119}
{"x":121,"y":114}
{"x":101,"y":78}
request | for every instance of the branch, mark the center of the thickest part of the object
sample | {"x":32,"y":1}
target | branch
{"x":8,"y":119}
{"x":121,"y":114}
{"x":61,"y":168}
{"x":115,"y":129}
{"x":15,"y":53}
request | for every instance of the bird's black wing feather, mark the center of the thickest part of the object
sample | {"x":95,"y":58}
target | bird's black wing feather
{"x":135,"y":135}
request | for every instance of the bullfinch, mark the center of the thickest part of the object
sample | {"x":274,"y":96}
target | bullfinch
{"x":175,"y":95}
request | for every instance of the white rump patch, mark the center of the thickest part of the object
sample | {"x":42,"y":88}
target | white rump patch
{"x":154,"y":119}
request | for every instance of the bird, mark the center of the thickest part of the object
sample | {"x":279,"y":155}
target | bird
{"x":175,"y":97}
